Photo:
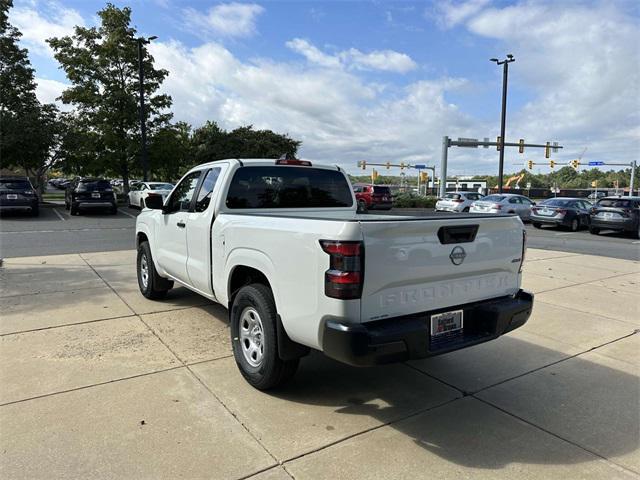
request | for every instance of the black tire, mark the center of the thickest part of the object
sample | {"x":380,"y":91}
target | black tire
{"x":269,"y":371}
{"x":66,"y":205}
{"x":537,"y":225}
{"x":154,"y":287}
{"x":594,"y":230}
{"x":362,"y":206}
{"x":113,"y":210}
{"x":575,"y":225}
{"x":74,"y":209}
{"x":141,"y":204}
{"x":35,"y":211}
{"x":466,"y":209}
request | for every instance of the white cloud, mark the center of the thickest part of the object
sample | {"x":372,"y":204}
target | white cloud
{"x":312,"y":53}
{"x":385,"y":60}
{"x":38,"y":21}
{"x":48,"y":91}
{"x":224,"y":20}
{"x":339,"y":116}
{"x":450,"y":14}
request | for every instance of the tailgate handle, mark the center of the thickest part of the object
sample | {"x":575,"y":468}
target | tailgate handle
{"x":457,"y":234}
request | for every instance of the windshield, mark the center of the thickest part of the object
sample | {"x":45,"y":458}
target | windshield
{"x":160,"y":186}
{"x":6,"y":184}
{"x":614,"y":203}
{"x":493,"y":198}
{"x":288,"y":187}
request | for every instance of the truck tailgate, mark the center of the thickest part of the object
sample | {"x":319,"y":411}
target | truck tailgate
{"x":417,"y":265}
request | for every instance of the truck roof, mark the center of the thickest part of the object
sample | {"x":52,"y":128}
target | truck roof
{"x":268,"y":162}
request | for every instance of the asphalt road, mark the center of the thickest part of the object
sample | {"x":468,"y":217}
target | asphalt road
{"x":56,"y":232}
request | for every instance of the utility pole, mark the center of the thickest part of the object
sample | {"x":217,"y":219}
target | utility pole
{"x":633,"y":176}
{"x":143,"y":124}
{"x":443,"y":166}
{"x":505,"y":73}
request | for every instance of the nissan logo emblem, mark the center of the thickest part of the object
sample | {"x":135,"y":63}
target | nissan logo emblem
{"x":457,"y":255}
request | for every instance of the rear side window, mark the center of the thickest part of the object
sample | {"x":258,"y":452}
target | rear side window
{"x":288,"y":187}
{"x":14,"y":184}
{"x":494,"y":198}
{"x":382,"y":190}
{"x":557,"y":203}
{"x":452,"y":196}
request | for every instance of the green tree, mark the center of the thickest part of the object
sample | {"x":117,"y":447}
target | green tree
{"x":170,"y":151}
{"x":102,"y":65}
{"x":29,"y":130}
{"x":210,"y":142}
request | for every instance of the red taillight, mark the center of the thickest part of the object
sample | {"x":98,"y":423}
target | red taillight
{"x":458,"y":201}
{"x":345,"y":276}
{"x":561,"y":211}
{"x":534,"y":209}
{"x":289,"y":161}
{"x":497,"y":206}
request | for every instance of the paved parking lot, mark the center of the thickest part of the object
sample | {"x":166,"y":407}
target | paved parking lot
{"x":56,"y":232}
{"x":99,"y":382}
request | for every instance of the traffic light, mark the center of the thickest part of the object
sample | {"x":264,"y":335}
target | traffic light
{"x":530,"y":164}
{"x":498,"y":143}
{"x":575,"y":164}
{"x":388,"y":165}
{"x":552,"y":163}
{"x":374,"y":175}
{"x":521,"y":146}
{"x":424,"y":177}
{"x":362,"y":164}
{"x":594,"y":183}
{"x":547,"y":150}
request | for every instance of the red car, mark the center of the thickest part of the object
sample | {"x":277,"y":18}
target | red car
{"x":370,"y":197}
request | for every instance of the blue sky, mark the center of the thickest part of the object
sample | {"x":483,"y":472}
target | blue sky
{"x":382,"y":80}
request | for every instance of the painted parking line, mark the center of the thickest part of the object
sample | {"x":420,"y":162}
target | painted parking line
{"x":127,"y":214}
{"x":565,"y":233}
{"x":59,"y":215}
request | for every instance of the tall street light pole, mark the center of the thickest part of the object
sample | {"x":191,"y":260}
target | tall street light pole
{"x":143,"y":124}
{"x":505,"y":63}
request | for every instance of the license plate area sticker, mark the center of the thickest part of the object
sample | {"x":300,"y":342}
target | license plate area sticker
{"x":443,"y":323}
{"x":12,"y":196}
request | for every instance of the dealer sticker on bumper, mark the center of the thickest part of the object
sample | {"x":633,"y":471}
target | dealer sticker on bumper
{"x":446,"y":322}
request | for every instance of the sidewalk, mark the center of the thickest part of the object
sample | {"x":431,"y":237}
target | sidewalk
{"x":98,"y":382}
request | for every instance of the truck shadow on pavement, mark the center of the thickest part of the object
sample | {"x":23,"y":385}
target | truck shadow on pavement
{"x":537,"y":418}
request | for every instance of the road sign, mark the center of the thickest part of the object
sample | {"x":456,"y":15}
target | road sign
{"x":473,"y":142}
{"x":419,"y":167}
{"x":592,"y":164}
{"x":528,"y":185}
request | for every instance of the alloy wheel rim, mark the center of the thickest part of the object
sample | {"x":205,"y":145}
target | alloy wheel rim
{"x":251,"y":336}
{"x":144,"y":271}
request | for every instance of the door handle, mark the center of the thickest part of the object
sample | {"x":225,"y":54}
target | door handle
{"x":181,"y":224}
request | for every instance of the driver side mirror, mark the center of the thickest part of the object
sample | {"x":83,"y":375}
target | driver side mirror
{"x":154,"y":202}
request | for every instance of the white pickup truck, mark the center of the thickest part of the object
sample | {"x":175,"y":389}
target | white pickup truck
{"x":281,"y":244}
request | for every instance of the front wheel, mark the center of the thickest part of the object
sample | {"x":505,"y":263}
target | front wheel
{"x":537,"y":225}
{"x":151,"y":285}
{"x":254,"y":338}
{"x":575,"y":225}
{"x":594,"y":230}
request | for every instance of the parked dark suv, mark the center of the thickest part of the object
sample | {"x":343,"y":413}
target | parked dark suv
{"x":84,"y":193}
{"x":17,"y":193}
{"x":616,"y":213}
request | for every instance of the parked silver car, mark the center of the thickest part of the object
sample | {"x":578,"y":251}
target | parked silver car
{"x":504,"y":203}
{"x":457,"y":201}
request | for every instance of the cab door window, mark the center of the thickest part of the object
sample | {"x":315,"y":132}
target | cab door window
{"x":182,"y":195}
{"x":206,"y":189}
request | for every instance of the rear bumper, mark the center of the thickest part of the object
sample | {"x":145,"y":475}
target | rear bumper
{"x":95,"y":204}
{"x":550,"y":220}
{"x":18,"y":204}
{"x":626,"y":224}
{"x":404,"y":338}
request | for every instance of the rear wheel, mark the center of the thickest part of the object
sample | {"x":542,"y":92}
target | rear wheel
{"x":35,"y":211}
{"x":362,"y":206}
{"x":537,"y":225}
{"x":594,"y":230}
{"x":466,"y":209}
{"x":141,"y":204}
{"x":74,"y":209}
{"x":254,"y":338}
{"x":575,"y":225}
{"x":151,"y":285}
